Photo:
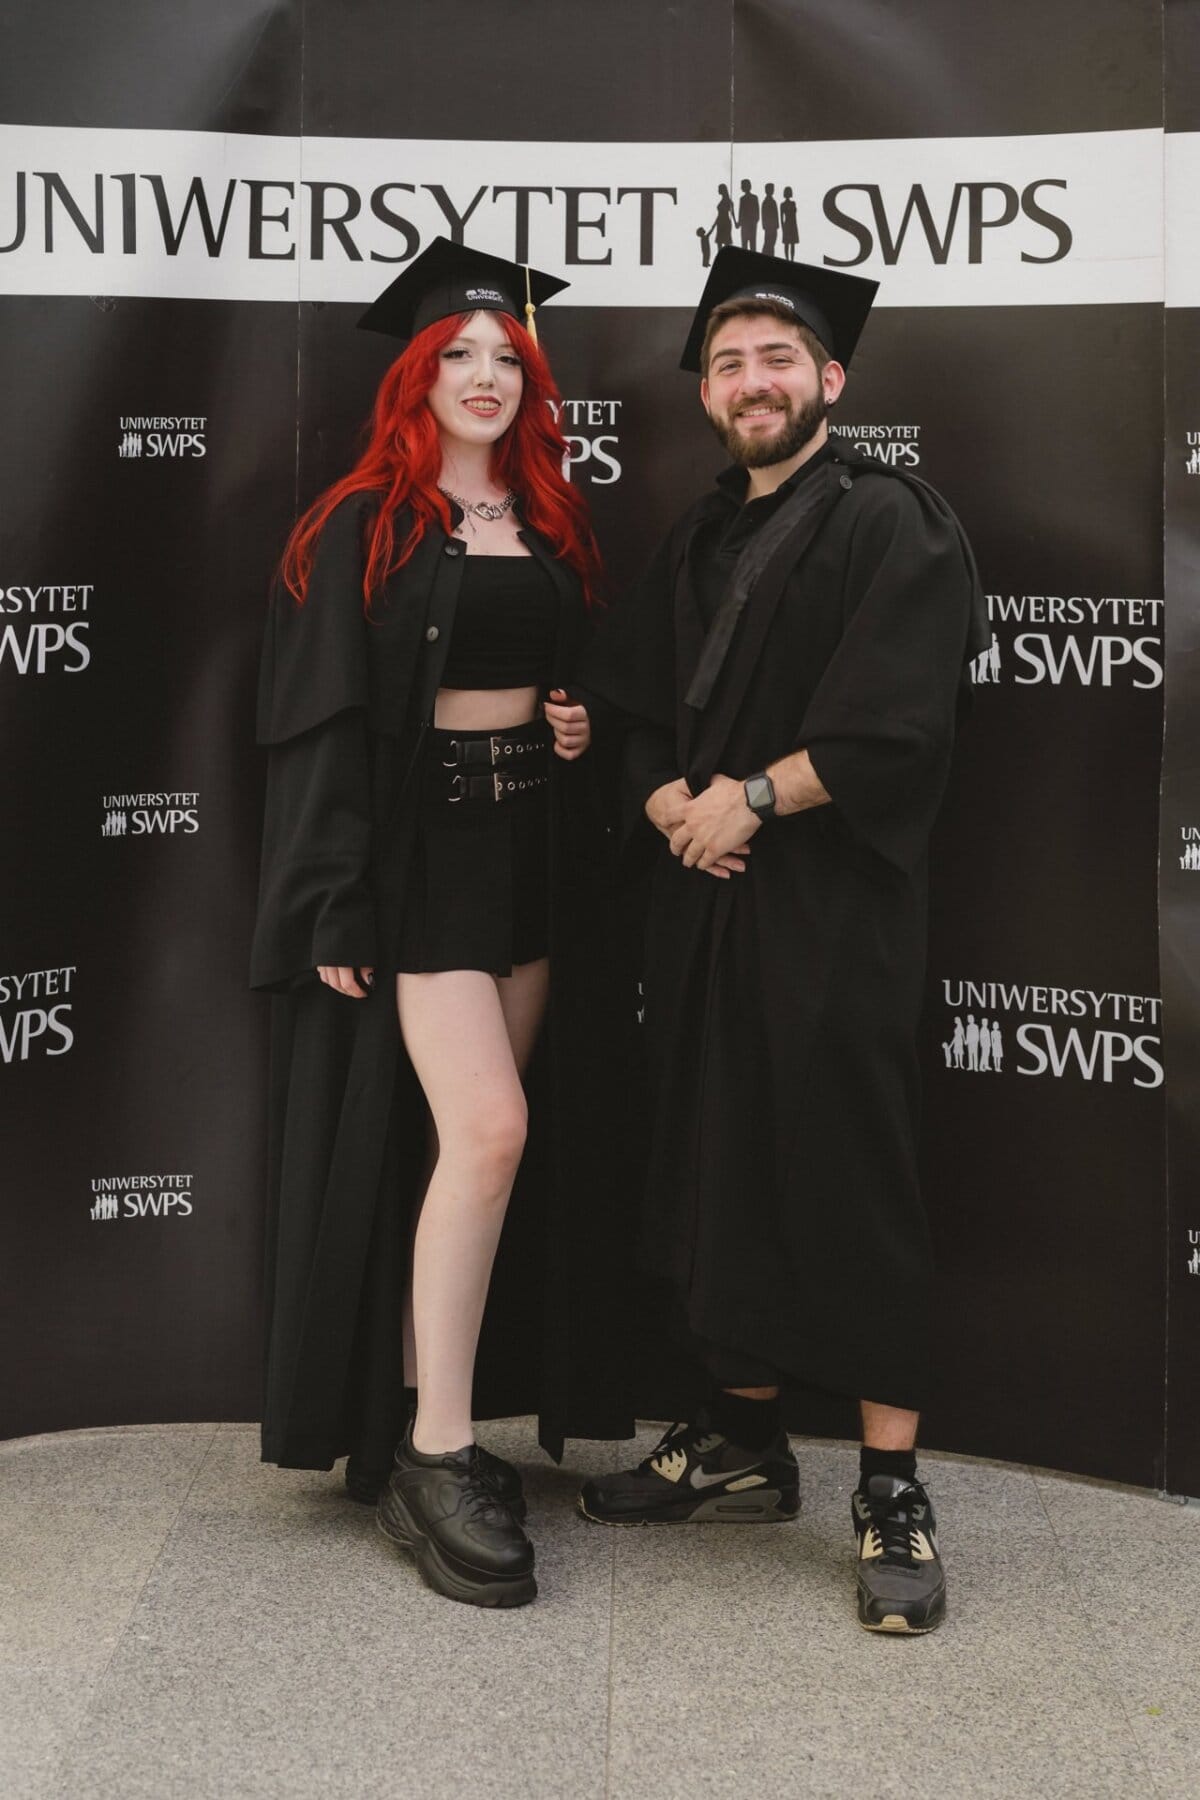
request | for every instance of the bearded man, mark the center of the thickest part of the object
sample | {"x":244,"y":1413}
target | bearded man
{"x":793,"y":664}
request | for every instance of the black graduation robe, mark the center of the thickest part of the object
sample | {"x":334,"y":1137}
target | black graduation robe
{"x":782,"y":1202}
{"x":342,"y":703}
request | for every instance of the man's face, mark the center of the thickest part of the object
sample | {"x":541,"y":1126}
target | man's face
{"x":763,"y":395}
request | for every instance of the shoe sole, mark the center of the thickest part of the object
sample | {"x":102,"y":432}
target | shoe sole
{"x":436,"y":1574}
{"x":895,"y":1624}
{"x":762,"y":1506}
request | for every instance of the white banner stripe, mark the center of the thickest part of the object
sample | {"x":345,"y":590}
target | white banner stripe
{"x":1047,"y":220}
{"x":1182,"y":157}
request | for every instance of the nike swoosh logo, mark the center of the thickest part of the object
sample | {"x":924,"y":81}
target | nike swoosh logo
{"x":701,"y":1480}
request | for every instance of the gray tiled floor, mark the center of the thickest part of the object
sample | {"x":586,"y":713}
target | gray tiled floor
{"x":180,"y":1621}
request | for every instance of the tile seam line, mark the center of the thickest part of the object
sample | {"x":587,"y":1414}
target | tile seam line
{"x":1095,"y":1640}
{"x":54,"y":1784}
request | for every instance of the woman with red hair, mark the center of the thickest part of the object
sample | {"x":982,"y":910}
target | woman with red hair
{"x":427,"y":815}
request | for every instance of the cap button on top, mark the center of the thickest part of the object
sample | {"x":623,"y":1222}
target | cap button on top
{"x":432,"y":634}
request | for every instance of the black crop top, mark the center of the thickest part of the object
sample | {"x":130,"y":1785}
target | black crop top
{"x":505,"y":625}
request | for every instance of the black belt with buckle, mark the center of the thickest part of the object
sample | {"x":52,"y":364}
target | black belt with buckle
{"x":515,"y":765}
{"x":492,"y":752}
{"x":505,"y":784}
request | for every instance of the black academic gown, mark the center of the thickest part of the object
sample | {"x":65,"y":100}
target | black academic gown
{"x":782,"y":1204}
{"x":342,"y":702}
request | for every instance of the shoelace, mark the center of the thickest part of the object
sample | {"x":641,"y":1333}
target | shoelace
{"x":896,"y":1531}
{"x":479,"y":1491}
{"x":679,"y":1430}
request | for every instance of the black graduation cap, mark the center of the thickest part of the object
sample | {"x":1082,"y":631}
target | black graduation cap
{"x":450,"y":278}
{"x":832,"y":304}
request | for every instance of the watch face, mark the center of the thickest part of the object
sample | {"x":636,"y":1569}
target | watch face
{"x":760,"y":794}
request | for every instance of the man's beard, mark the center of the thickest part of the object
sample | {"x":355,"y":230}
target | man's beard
{"x":800,"y":426}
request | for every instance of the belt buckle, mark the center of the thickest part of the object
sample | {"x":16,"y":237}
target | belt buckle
{"x":456,"y":781}
{"x":495,"y":747}
{"x":453,"y":764}
{"x":498,"y":788}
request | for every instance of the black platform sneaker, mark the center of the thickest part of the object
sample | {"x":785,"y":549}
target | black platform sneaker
{"x":901,"y":1582}
{"x":464,"y":1540}
{"x":695,"y":1474}
{"x":365,"y":1483}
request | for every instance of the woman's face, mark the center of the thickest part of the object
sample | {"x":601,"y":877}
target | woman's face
{"x":479,"y":383}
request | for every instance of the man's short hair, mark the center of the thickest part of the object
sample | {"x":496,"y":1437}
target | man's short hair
{"x":747,"y":309}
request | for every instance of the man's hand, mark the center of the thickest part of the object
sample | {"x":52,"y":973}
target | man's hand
{"x":666,"y":810}
{"x":570,"y":724}
{"x":715,"y":831}
{"x":666,"y":805}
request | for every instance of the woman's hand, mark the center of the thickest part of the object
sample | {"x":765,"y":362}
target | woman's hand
{"x":344,"y":981}
{"x":570,"y":724}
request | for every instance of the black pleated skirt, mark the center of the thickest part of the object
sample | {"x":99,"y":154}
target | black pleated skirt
{"x":479,"y":884}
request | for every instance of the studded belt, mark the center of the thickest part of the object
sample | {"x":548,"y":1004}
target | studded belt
{"x":505,"y":784}
{"x":491,"y":770}
{"x":497,"y":751}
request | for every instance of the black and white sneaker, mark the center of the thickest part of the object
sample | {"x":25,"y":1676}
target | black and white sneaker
{"x":901,"y":1582}
{"x":694,"y":1474}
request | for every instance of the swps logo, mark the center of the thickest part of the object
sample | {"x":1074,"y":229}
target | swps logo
{"x":589,"y":428}
{"x":45,"y":630}
{"x":899,"y":446}
{"x":35,"y":1014}
{"x":1189,"y":851}
{"x":1024,"y":220}
{"x":142,"y":1197}
{"x":169,"y":437}
{"x":149,"y":815}
{"x":998,"y":1027}
{"x":1073,"y":640}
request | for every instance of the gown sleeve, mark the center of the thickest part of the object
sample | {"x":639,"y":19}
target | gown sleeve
{"x":880,"y":726}
{"x":315,"y":903}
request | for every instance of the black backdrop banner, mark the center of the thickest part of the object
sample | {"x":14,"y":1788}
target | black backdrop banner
{"x":196,"y":202}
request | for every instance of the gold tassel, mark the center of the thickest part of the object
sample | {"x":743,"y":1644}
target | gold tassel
{"x":530,"y":308}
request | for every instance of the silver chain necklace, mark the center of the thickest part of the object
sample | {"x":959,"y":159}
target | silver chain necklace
{"x":481,"y":509}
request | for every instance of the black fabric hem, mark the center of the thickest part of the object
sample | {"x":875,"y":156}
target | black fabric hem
{"x":881,"y":1388}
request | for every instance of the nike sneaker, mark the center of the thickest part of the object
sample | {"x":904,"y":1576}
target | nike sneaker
{"x":901,"y":1582}
{"x":696,"y":1475}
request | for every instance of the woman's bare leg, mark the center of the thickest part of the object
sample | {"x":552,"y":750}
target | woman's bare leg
{"x":427,"y":1167}
{"x":523,"y":1003}
{"x":456,"y":1028}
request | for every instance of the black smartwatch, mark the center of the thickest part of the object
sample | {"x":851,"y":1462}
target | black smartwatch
{"x":760,"y":795}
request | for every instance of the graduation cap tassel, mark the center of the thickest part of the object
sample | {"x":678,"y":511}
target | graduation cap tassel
{"x":530,"y":309}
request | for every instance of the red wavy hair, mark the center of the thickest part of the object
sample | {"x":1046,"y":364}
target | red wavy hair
{"x":403,"y":458}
